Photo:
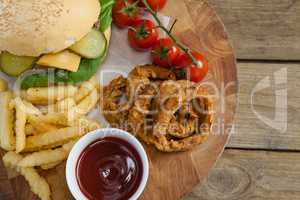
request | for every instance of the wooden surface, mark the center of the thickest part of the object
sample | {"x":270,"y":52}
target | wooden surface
{"x":252,"y":175}
{"x":260,"y":162}
{"x":175,"y":174}
{"x":250,"y":131}
{"x":261,"y":166}
{"x":6,"y":192}
{"x":262,"y":29}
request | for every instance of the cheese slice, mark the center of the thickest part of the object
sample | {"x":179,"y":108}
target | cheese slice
{"x":66,"y":60}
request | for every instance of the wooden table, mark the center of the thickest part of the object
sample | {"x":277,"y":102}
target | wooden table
{"x":260,"y":162}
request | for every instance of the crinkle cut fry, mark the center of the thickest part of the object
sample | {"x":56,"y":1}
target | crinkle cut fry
{"x":37,"y":184}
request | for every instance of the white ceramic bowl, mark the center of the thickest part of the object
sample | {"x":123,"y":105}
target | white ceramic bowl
{"x":88,"y":139}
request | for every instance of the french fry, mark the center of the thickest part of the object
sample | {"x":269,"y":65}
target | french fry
{"x":65,"y":105}
{"x":84,"y":106}
{"x":20,"y":125}
{"x":58,"y":137}
{"x":67,"y":118}
{"x":46,"y":108}
{"x":85,"y":89}
{"x":50,"y":118}
{"x":38,"y":124}
{"x":11,"y":159}
{"x":48,"y":95}
{"x":54,"y":138}
{"x":30,"y":108}
{"x":88,"y":103}
{"x":26,"y":106}
{"x":3,"y":85}
{"x":41,"y":128}
{"x":46,"y":156}
{"x":30,"y":130}
{"x":61,"y":106}
{"x":90,"y":124}
{"x":43,"y":157}
{"x":50,"y":165}
{"x":68,"y":146}
{"x":38,"y":184}
{"x":7,"y":139}
{"x":86,"y":122}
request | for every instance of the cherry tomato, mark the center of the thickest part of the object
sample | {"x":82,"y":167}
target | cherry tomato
{"x":125,"y":13}
{"x":194,"y":72}
{"x":155,"y":5}
{"x":164,"y":52}
{"x":142,"y":34}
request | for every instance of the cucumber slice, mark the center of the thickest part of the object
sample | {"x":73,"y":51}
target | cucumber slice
{"x":93,"y":45}
{"x":15,"y":65}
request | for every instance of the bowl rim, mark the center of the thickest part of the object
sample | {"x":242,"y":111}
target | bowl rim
{"x":86,"y":140}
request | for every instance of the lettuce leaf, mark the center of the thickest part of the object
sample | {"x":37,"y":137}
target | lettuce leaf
{"x":106,"y":14}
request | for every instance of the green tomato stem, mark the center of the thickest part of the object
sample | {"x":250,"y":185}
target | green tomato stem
{"x":168,"y":32}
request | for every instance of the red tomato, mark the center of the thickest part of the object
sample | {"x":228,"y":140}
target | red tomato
{"x":155,"y":5}
{"x":194,"y":72}
{"x":164,"y":52}
{"x":125,"y":13}
{"x":142,"y":34}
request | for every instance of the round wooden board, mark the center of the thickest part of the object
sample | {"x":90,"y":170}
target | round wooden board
{"x":174,"y":174}
{"x":199,"y":27}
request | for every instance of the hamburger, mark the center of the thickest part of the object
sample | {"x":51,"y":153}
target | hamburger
{"x":70,"y":37}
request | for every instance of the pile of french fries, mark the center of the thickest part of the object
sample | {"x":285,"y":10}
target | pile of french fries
{"x":39,"y":126}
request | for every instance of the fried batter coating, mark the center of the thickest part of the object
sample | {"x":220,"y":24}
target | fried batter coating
{"x":180,"y":111}
{"x":143,"y":87}
{"x":153,"y":72}
{"x":114,"y":110}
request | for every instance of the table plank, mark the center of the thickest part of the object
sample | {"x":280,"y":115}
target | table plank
{"x":262,"y":29}
{"x":252,"y":175}
{"x":252,"y":132}
{"x":6,"y":192}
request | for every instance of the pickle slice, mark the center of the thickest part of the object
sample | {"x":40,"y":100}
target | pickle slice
{"x":93,"y":45}
{"x":15,"y":65}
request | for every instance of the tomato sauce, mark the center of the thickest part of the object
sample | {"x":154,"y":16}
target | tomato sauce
{"x":109,"y":169}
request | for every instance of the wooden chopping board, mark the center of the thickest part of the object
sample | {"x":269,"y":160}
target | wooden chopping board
{"x":173,"y":174}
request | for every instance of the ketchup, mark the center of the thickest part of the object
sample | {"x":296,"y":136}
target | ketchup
{"x":109,"y":169}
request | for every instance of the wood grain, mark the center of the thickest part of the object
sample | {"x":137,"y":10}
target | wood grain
{"x":262,"y":29}
{"x":174,"y":174}
{"x":252,"y":175}
{"x":6,"y":192}
{"x":250,"y":131}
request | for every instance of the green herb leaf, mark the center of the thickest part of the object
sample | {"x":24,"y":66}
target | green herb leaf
{"x":106,"y":14}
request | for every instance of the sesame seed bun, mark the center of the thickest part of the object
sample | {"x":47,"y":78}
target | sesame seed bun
{"x":35,"y":27}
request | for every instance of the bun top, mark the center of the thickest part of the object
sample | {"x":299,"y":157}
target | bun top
{"x":35,"y":27}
